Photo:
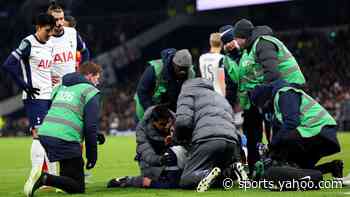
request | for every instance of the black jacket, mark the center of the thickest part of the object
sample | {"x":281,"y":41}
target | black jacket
{"x":289,"y":103}
{"x":146,"y":86}
{"x":266,"y":53}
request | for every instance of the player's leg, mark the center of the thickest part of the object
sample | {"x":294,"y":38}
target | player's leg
{"x":147,"y":173}
{"x":200,"y":170}
{"x":52,"y":167}
{"x":171,"y":175}
{"x":37,"y":152}
{"x":163,"y":177}
{"x":232,"y":167}
{"x":252,"y":128}
{"x":34,"y":181}
{"x":324,"y":145}
{"x":71,"y":179}
{"x":129,"y":181}
{"x":36,"y":112}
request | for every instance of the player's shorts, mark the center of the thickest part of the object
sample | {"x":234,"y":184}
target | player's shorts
{"x":36,"y":111}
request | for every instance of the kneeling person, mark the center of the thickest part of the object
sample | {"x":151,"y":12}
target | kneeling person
{"x":304,"y":131}
{"x":204,"y":119}
{"x":72,"y":118}
{"x":160,"y":163}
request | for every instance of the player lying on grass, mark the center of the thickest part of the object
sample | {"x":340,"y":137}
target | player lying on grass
{"x":304,"y":131}
{"x":204,"y":119}
{"x":159,"y":161}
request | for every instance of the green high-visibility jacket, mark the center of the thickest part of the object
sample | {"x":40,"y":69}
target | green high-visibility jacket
{"x":251,"y":72}
{"x":65,"y":120}
{"x":160,"y":87}
{"x":312,"y":115}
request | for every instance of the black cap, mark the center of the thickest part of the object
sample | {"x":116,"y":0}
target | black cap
{"x":243,"y":28}
{"x":226,"y":33}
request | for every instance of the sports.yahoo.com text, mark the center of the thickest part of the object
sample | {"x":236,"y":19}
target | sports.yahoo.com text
{"x":294,"y":184}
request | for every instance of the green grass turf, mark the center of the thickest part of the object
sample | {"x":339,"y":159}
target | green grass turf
{"x":116,"y":159}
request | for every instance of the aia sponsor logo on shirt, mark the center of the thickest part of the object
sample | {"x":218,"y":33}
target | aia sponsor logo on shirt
{"x":63,"y":57}
{"x":44,"y":64}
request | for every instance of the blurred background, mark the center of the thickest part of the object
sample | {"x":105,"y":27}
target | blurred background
{"x":123,"y":35}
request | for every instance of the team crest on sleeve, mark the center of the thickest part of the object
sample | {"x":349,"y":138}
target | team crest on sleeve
{"x":23,"y":45}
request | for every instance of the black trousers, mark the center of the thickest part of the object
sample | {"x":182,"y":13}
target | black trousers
{"x":253,"y":130}
{"x":203,"y":157}
{"x":71,"y":179}
{"x":306,"y":152}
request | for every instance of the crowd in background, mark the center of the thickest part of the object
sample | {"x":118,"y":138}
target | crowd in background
{"x":109,"y":33}
{"x":325,"y":62}
{"x":323,"y":58}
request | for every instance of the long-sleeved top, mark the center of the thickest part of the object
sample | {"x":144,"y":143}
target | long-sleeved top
{"x":84,"y":50}
{"x":289,"y":103}
{"x":266,"y":53}
{"x":30,"y":66}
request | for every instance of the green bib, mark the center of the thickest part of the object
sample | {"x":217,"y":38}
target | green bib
{"x":160,"y":87}
{"x":251,"y":72}
{"x":312,"y":115}
{"x":231,"y":68}
{"x":65,"y":120}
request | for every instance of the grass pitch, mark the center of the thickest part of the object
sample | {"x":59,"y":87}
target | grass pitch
{"x":115,"y":159}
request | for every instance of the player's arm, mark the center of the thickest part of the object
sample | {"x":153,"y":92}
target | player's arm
{"x":13,"y":63}
{"x":144,"y":148}
{"x":289,"y":104}
{"x":145,"y":87}
{"x":266,"y":53}
{"x":221,"y":77}
{"x":201,"y":67}
{"x":231,"y":89}
{"x":81,"y":46}
{"x":91,"y":111}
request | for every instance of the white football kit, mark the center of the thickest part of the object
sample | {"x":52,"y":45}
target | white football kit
{"x":35,"y":59}
{"x":210,"y":64}
{"x":64,"y":52}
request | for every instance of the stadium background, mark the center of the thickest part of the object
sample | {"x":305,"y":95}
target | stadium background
{"x":123,"y":35}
